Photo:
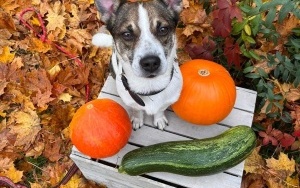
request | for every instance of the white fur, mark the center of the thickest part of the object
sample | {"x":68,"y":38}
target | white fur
{"x":102,"y":40}
{"x":147,"y":45}
{"x":155,"y":104}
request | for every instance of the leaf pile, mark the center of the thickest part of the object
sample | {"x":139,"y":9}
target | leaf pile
{"x":41,"y":86}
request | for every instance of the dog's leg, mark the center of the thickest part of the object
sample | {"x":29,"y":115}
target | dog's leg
{"x":137,"y":119}
{"x":160,"y":120}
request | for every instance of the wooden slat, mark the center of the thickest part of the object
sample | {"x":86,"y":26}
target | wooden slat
{"x":110,"y":177}
{"x":178,"y":129}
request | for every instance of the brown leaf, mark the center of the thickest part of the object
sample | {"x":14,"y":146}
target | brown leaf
{"x":6,"y":21}
{"x":39,"y":84}
{"x":52,"y":148}
{"x":6,"y":163}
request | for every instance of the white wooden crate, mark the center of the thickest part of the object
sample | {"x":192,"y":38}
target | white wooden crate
{"x":105,"y":170}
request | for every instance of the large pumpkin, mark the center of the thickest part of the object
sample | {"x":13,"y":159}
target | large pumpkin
{"x":100,"y":128}
{"x":208,"y":94}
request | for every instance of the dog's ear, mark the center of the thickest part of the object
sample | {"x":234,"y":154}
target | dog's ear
{"x":107,"y":8}
{"x":175,"y":5}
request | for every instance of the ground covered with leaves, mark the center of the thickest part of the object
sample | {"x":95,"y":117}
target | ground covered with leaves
{"x":49,"y":68}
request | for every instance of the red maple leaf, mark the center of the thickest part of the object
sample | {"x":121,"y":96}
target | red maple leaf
{"x":268,"y":137}
{"x":227,"y":10}
{"x":232,"y":52}
{"x":203,"y":51}
{"x":287,"y":140}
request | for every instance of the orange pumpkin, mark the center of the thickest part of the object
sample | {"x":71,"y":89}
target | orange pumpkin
{"x":208,"y":94}
{"x":100,"y":128}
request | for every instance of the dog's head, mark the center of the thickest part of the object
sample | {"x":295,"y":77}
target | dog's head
{"x":143,"y":32}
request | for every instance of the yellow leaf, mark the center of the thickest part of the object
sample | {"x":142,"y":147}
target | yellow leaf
{"x":56,"y":17}
{"x":13,"y":174}
{"x":283,"y":165}
{"x":247,"y":29}
{"x":6,"y":56}
{"x":35,"y":185}
{"x":54,"y":70}
{"x":74,"y":182}
{"x":292,"y":182}
{"x":254,"y":163}
{"x":66,"y":97}
{"x":35,"y":21}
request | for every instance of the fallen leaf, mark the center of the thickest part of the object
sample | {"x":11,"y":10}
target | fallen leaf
{"x":283,"y":165}
{"x":13,"y":174}
{"x":6,"y":21}
{"x":55,"y":16}
{"x":73,"y":182}
{"x":26,"y":127}
{"x":6,"y":163}
{"x":254,"y":163}
{"x":6,"y":56}
{"x":3,"y":85}
{"x":65,"y":97}
{"x":36,"y":45}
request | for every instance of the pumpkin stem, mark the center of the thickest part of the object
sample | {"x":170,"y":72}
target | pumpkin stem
{"x":204,"y":72}
{"x":90,"y":106}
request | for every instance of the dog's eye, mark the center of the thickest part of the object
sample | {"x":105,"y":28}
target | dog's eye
{"x":128,"y":36}
{"x":162,"y":31}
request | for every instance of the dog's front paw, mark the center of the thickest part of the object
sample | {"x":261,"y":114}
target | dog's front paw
{"x":137,"y":122}
{"x":137,"y":119}
{"x":160,"y":122}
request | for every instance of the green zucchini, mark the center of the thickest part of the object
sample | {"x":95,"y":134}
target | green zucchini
{"x":192,"y":157}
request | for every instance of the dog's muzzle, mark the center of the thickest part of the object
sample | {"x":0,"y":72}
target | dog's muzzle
{"x":150,"y":63}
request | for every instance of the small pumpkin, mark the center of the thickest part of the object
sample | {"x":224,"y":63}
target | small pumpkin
{"x":100,"y":128}
{"x":208,"y":94}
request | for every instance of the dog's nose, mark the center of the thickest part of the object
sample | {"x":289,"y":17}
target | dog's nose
{"x":150,"y":63}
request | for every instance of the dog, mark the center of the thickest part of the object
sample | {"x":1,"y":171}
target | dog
{"x":144,"y":61}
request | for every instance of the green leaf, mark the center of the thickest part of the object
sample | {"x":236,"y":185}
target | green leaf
{"x":297,"y":56}
{"x":254,"y":55}
{"x":295,"y":42}
{"x":238,"y":27}
{"x":262,"y":72}
{"x":249,"y":39}
{"x":278,"y":105}
{"x":270,"y":5}
{"x":270,"y":17}
{"x":285,"y":9}
{"x":278,"y":97}
{"x":256,"y":24}
{"x":252,"y":75}
{"x":269,"y":107}
{"x":285,"y":75}
{"x":270,"y":94}
{"x":248,"y":69}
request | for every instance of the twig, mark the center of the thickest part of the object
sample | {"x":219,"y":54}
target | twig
{"x":68,"y":176}
{"x":6,"y":182}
